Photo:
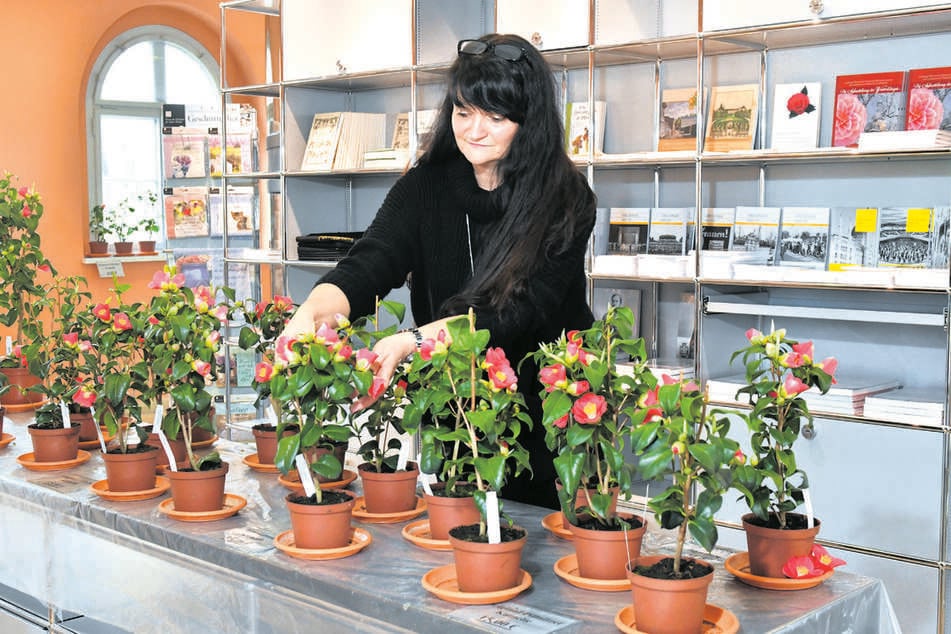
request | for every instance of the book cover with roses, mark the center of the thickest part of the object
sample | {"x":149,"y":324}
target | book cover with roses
{"x":867,"y":102}
{"x":796,"y":115}
{"x":929,"y":99}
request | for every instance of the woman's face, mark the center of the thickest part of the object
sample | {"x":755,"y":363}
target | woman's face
{"x":483,"y":138}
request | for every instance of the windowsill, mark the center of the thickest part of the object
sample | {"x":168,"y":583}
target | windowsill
{"x":152,"y":257}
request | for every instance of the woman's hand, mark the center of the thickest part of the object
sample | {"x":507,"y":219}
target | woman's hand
{"x":390,"y":351}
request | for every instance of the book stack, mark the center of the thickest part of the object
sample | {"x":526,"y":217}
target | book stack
{"x":677,"y":369}
{"x":397,"y":156}
{"x":916,"y":406}
{"x":340,"y":140}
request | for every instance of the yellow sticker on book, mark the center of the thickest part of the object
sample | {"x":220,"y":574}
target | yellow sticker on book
{"x":866,"y":220}
{"x":919,"y":220}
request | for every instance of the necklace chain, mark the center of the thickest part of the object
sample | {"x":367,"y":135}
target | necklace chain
{"x":469,"y":239}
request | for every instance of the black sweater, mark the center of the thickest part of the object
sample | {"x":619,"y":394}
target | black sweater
{"x":420,"y":231}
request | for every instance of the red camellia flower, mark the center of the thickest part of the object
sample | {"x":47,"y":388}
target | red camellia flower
{"x":85,"y":396}
{"x":263,"y":372}
{"x":589,"y":409}
{"x":283,"y":303}
{"x":553,"y":376}
{"x":801,"y":568}
{"x":377,"y":388}
{"x":27,"y":212}
{"x":44,"y":267}
{"x":825,"y":561}
{"x":494,"y":357}
{"x":577,"y":388}
{"x":121,"y":322}
{"x":201,"y":367}
{"x":154,"y":320}
{"x":71,"y":339}
{"x":342,"y":354}
{"x":502,"y":377}
{"x":562,"y":422}
{"x":102,"y":312}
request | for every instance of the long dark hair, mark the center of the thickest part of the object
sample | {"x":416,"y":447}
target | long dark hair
{"x":544,"y":197}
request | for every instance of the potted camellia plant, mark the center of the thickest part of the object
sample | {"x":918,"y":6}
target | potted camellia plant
{"x":23,"y":293}
{"x":468,"y":394}
{"x":680,"y":441}
{"x":181,"y":341}
{"x":315,"y":378}
{"x":588,"y":409}
{"x":778,"y":370}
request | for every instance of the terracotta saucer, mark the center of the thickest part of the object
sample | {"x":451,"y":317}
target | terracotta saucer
{"x":360,"y":512}
{"x":101,"y":488}
{"x":359,"y":539}
{"x":346,"y":478}
{"x":27,"y":461}
{"x":201,"y":444}
{"x":716,"y":620}
{"x":418,"y":533}
{"x":567,"y":569}
{"x":23,"y":407}
{"x":738,"y":565}
{"x":233,"y":504}
{"x":94,"y":443}
{"x":261,"y":467}
{"x":442,"y":582}
{"x":6,"y":439}
{"x":552,"y":522}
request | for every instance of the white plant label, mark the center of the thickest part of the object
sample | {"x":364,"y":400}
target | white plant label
{"x":303,"y":470}
{"x":157,"y":423}
{"x":425,"y":478}
{"x":64,"y":410}
{"x":9,"y":346}
{"x":807,"y":501}
{"x":492,"y":517}
{"x":270,"y":415}
{"x":168,"y":449}
{"x":102,"y":440}
{"x":403,"y":458}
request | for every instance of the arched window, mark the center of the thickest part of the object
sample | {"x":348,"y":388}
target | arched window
{"x":136,"y":73}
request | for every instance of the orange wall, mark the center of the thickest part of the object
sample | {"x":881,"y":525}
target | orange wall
{"x":49,"y":47}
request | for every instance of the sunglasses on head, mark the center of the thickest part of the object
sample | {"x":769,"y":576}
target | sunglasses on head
{"x":508,"y":52}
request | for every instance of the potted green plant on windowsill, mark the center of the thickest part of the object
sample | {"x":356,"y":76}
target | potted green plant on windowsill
{"x":680,"y":441}
{"x":150,"y":227}
{"x":588,"y":410}
{"x":464,"y":403}
{"x":778,"y":371}
{"x":98,"y":231}
{"x":23,"y":290}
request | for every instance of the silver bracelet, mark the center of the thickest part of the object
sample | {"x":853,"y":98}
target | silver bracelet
{"x":417,"y":335}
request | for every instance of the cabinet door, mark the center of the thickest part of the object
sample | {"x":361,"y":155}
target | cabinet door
{"x":733,"y":14}
{"x":620,"y":21}
{"x":326,"y":38}
{"x":547,"y":25}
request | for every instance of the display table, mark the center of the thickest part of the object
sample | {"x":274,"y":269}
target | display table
{"x":127,"y":564}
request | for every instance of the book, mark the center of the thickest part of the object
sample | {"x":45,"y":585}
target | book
{"x":627,"y":234}
{"x":916,"y":406}
{"x":322,"y":142}
{"x":580,"y":127}
{"x":186,"y":211}
{"x":240,"y":220}
{"x":678,"y":120}
{"x":804,"y":237}
{"x":755,"y":232}
{"x":929,"y":99}
{"x":904,"y":237}
{"x":852,"y":237}
{"x":716,"y":228}
{"x":236,"y":158}
{"x":867,"y":102}
{"x":183,"y":155}
{"x":796,"y":115}
{"x":732,"y":118}
{"x":940,"y":226}
{"x":424,"y":123}
{"x":667,"y":231}
{"x":904,"y":140}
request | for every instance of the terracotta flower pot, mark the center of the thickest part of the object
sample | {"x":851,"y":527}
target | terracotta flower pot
{"x":389,"y":492}
{"x":312,"y":453}
{"x":484,"y":567}
{"x":604,"y":554}
{"x":265,"y":439}
{"x":770,"y":548}
{"x":581,"y":500}
{"x":20,"y":379}
{"x":98,"y":247}
{"x":178,"y":450}
{"x":134,"y":471}
{"x":198,"y":491}
{"x":123,"y":247}
{"x":146,"y":246}
{"x":448,"y":512}
{"x":321,"y":526}
{"x":669,"y":606}
{"x":54,"y":445}
{"x":87,"y":426}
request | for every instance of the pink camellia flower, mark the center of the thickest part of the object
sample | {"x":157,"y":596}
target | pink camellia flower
{"x":562,"y":422}
{"x":649,"y":400}
{"x":326,"y":335}
{"x":502,"y":377}
{"x":586,"y":357}
{"x":434,"y":347}
{"x":925,"y":110}
{"x":494,"y":357}
{"x":121,"y":322}
{"x":85,"y":396}
{"x":806,"y":349}
{"x":823,"y":560}
{"x":377,"y":388}
{"x":221,"y":312}
{"x":801,"y":568}
{"x":259,"y":309}
{"x":553,"y":376}
{"x":739,"y":457}
{"x":85,"y":345}
{"x":44,"y":267}
{"x":343,"y":353}
{"x":283,"y":303}
{"x":154,"y":320}
{"x":263,"y":372}
{"x":163,"y":281}
{"x":829,"y":366}
{"x":201,"y":367}
{"x":572,"y":349}
{"x":849,"y":121}
{"x":577,"y":388}
{"x":793,"y":386}
{"x":27,"y":212}
{"x":72,"y":340}
{"x":284,"y":351}
{"x":23,"y":191}
{"x":365,"y":359}
{"x":589,"y":409}
{"x":212,"y":339}
{"x":754,"y":335}
{"x":203,"y":299}
{"x":102,"y":312}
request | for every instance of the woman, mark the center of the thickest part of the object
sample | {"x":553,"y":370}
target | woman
{"x":494,"y":216}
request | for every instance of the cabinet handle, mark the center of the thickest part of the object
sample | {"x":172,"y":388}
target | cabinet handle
{"x":809,"y":431}
{"x":816,"y":6}
{"x":341,"y":68}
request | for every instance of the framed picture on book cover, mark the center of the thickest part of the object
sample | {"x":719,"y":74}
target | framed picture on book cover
{"x":627,"y":234}
{"x":852,"y":237}
{"x":804,"y":235}
{"x":904,"y":237}
{"x":678,"y":120}
{"x":867,"y":102}
{"x":731,"y":124}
